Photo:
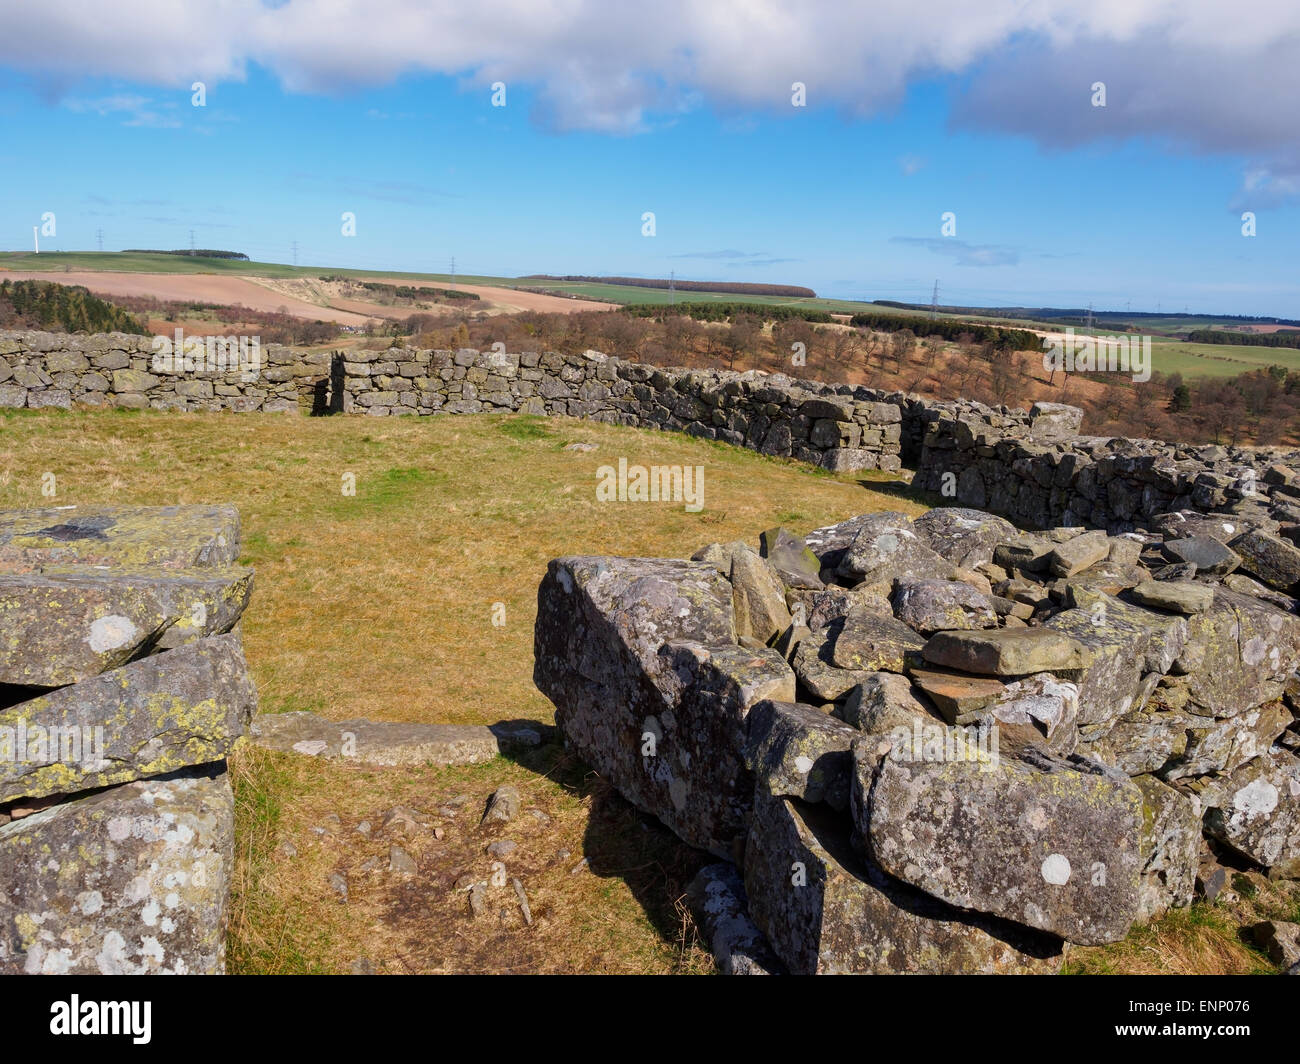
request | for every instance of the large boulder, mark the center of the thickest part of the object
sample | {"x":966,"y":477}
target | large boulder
{"x":758,"y":597}
{"x":131,"y":880}
{"x":1037,"y":710}
{"x":691,"y":772}
{"x":601,"y":624}
{"x":1269,"y":558}
{"x":817,"y":670}
{"x":1146,"y":739}
{"x":791,"y":558}
{"x":1219,"y":745}
{"x":826,"y":910}
{"x":869,"y":642}
{"x":1052,"y":843}
{"x":885,"y":701}
{"x":153,"y":716}
{"x":1209,"y":555}
{"x":1078,"y":553}
{"x":1124,"y":644}
{"x":1171,"y":845}
{"x":831,"y":543}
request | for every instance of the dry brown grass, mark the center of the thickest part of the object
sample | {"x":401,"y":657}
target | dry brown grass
{"x":380,"y":605}
{"x":1206,"y":939}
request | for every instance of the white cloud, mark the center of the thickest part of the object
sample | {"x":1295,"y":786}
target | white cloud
{"x":1207,"y":76}
{"x":133,"y":110}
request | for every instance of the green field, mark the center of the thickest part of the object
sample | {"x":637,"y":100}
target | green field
{"x":1218,"y":360}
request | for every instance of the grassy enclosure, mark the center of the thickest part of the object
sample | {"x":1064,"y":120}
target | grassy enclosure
{"x":380,"y":605}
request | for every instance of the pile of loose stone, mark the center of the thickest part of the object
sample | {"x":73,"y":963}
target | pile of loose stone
{"x":942,"y":744}
{"x":122,"y":688}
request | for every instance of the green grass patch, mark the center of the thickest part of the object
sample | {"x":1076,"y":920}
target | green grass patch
{"x":526,"y":427}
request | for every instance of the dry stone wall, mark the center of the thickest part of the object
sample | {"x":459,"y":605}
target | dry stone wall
{"x":40,"y":369}
{"x":941,"y":744}
{"x":1037,"y":470}
{"x":840,"y":428}
{"x":122,"y":688}
{"x":832,"y":426}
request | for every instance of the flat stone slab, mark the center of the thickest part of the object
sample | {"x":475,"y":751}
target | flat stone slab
{"x":64,"y":624}
{"x":1006,"y":652}
{"x":1177,"y":596}
{"x":1075,"y":555}
{"x":1209,"y":555}
{"x":387,"y":744}
{"x":165,"y":712}
{"x":957,"y":695}
{"x":132,"y":880}
{"x":169,"y":537}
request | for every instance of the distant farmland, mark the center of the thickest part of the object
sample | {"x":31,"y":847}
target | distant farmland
{"x":1170,"y":354}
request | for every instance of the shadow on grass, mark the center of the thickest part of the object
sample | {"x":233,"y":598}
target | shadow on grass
{"x":622,"y":842}
{"x":900,"y":489}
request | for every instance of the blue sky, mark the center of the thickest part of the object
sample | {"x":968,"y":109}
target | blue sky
{"x":1056,"y":201}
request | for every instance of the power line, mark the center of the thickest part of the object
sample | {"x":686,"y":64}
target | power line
{"x":295,"y":253}
{"x":191,"y":240}
{"x":99,"y":235}
{"x":934,"y":300}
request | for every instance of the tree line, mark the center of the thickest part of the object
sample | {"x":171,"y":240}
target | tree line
{"x":999,"y":336}
{"x":193,"y":253}
{"x":1281,"y":338}
{"x":61,"y":308}
{"x":726,"y":312}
